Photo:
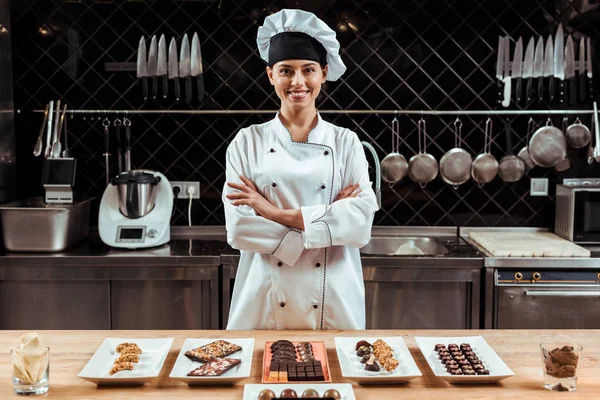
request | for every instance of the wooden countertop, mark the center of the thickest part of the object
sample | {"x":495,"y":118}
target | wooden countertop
{"x":71,"y":350}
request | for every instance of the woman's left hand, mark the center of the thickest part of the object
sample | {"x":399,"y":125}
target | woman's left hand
{"x":250,"y":196}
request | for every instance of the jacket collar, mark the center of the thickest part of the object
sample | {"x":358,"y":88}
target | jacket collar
{"x":312,"y":135}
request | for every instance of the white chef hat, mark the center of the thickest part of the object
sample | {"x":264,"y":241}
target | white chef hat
{"x":297,"y":34}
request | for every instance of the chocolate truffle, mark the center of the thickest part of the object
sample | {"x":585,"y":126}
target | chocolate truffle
{"x":332,"y":393}
{"x":469,"y":372}
{"x":288,"y":394}
{"x":445,"y":359}
{"x":310,"y":394}
{"x":463,"y":362}
{"x":365,"y":358}
{"x":483,"y":372}
{"x":362,"y":350}
{"x":266,"y":394}
{"x":455,"y":372}
{"x":372,"y":365}
{"x":362,"y":343}
{"x":439,"y":347}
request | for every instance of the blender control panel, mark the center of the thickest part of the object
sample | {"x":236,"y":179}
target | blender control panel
{"x":131,"y":234}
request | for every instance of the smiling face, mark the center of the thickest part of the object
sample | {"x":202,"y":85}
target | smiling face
{"x":297,"y":82}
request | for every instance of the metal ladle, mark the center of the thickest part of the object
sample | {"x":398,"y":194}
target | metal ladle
{"x":455,"y":165}
{"x":394,"y":166}
{"x":485,"y":167}
{"x":422,"y":167}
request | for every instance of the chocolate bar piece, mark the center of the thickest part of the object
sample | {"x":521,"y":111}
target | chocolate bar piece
{"x":215,"y":367}
{"x":212,"y":351}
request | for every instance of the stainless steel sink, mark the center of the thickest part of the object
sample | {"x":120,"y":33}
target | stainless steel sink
{"x":413,"y":246}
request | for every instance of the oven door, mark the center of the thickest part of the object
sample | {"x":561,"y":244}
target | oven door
{"x":557,"y":307}
{"x":586,"y":216}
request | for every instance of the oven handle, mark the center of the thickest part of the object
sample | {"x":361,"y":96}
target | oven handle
{"x":570,"y":293}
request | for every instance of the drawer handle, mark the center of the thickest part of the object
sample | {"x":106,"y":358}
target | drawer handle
{"x":568,"y":293}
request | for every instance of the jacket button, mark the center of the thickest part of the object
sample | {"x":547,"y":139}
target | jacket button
{"x":323,"y":186}
{"x":315,"y":306}
{"x":279,"y":264}
{"x":326,"y":153}
{"x":318,"y":265}
{"x":272,"y":150}
{"x":274,"y":184}
{"x":282,"y":304}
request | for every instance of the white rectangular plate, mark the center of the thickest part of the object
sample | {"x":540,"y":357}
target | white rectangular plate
{"x":183,"y":365}
{"x":154,"y":354}
{"x":353,"y":369}
{"x":251,"y":391}
{"x":498,"y":369}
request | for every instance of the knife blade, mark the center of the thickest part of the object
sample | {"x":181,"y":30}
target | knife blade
{"x":152,"y":65}
{"x":570,"y":70}
{"x":197,"y":66}
{"x":161,"y":68}
{"x":517,"y":69}
{"x":174,"y":68}
{"x":185,"y":69}
{"x":538,"y":67}
{"x":500,"y":66}
{"x":507,"y":81}
{"x":528,"y":69}
{"x":588,"y":58}
{"x":142,"y":67}
{"x":549,"y":67}
{"x":559,"y":68}
{"x":581,"y":70}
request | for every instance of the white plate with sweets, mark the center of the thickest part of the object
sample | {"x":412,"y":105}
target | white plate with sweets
{"x":127,"y":361}
{"x":214,"y":361}
{"x":364,"y":360}
{"x":463,"y":359}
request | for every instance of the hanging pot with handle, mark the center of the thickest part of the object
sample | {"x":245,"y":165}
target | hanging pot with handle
{"x":485,"y":166}
{"x":455,"y":165}
{"x":565,"y":163}
{"x":577,"y":134}
{"x":511,"y":167}
{"x":422,"y":167}
{"x":394,"y":166}
{"x":547,"y":146}
{"x":524,"y":152}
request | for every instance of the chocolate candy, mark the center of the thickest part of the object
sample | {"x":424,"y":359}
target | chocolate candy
{"x":310,"y":394}
{"x":469,"y":372}
{"x":266,"y":394}
{"x":483,"y":372}
{"x":439,"y":347}
{"x":332,"y":393}
{"x":288,"y":394}
{"x":456,"y":372}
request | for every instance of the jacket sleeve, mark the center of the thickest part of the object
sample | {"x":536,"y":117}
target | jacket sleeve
{"x":246,"y":230}
{"x":348,"y":221}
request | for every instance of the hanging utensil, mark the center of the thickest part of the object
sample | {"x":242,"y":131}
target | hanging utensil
{"x":394,"y":166}
{"x":185,"y":69}
{"x":524,"y":152}
{"x":500,"y":67}
{"x":106,"y":124}
{"x":538,"y":68}
{"x":547,"y":146}
{"x":54,"y":130}
{"x":49,"y":131}
{"x":153,"y":67}
{"x":569,"y":67}
{"x":161,"y":67}
{"x":56,"y":146}
{"x":174,"y":69}
{"x":559,"y":66}
{"x":597,"y":134}
{"x":528,"y":70}
{"x":588,"y":59}
{"x":196,"y":66}
{"x":590,"y":151}
{"x":565,"y":163}
{"x":581,"y":71}
{"x":516,"y":71}
{"x":511,"y":167}
{"x":422,"y":167}
{"x":37,"y":150}
{"x":549,"y":67}
{"x":485,"y":166}
{"x":117,"y":124}
{"x":507,"y":76}
{"x":127,"y":125}
{"x":577,"y":134}
{"x":142,"y":67}
{"x":66,"y":153}
{"x":455,"y":165}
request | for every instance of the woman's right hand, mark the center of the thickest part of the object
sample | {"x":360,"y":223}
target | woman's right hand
{"x":348,"y":192}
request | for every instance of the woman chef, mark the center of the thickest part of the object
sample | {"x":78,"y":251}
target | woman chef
{"x":298,"y":200}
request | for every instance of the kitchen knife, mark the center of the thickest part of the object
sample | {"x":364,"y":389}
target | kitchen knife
{"x":174,"y":68}
{"x":517,"y":70}
{"x":538,"y":68}
{"x":581,"y":70}
{"x":142,"y":67}
{"x":507,"y":81}
{"x":588,"y":59}
{"x":549,"y":67}
{"x":528,"y":70}
{"x":559,"y":67}
{"x":197,"y":66}
{"x":161,"y":68}
{"x":570,"y":70}
{"x":500,"y":66}
{"x":152,"y":66}
{"x":185,"y":69}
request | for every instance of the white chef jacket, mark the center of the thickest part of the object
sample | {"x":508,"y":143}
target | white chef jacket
{"x":287,"y":278}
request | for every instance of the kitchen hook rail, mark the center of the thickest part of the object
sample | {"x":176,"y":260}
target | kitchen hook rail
{"x":382,"y":112}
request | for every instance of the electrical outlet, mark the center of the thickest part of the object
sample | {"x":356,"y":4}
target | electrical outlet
{"x":539,"y":187}
{"x":183,"y":188}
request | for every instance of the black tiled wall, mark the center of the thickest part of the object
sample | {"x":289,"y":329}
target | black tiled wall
{"x":405,"y":54}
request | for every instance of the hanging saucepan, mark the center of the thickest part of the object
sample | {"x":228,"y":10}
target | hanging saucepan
{"x":565,"y":163}
{"x":485,"y":166}
{"x":524,"y":152}
{"x":511,"y":167}
{"x":547,"y":146}
{"x":422,"y":167}
{"x":394,"y":166}
{"x":577,"y":134}
{"x":455,"y":165}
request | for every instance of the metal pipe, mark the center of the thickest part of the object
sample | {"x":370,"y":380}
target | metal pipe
{"x":382,"y":112}
{"x":377,"y":171}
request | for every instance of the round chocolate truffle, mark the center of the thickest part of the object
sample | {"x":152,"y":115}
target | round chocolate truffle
{"x":266,"y":394}
{"x":310,"y":394}
{"x":288,"y":394}
{"x":445,"y":359}
{"x":456,"y":372}
{"x":463,"y":362}
{"x":469,"y":372}
{"x":439,"y":347}
{"x":333,"y":394}
{"x":483,"y":372}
